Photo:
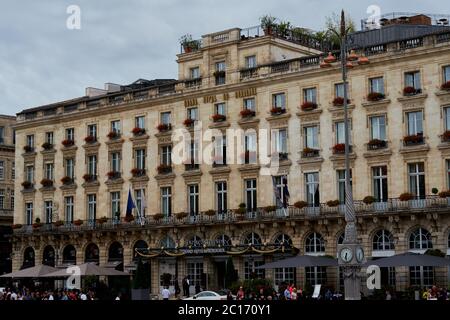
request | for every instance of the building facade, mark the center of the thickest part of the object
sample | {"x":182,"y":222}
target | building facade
{"x":78,"y":160}
{"x":7,"y":177}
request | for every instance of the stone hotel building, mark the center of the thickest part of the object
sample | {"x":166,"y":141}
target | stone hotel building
{"x":77,"y":161}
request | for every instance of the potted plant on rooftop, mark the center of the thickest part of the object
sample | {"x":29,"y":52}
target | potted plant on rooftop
{"x":189,"y":44}
{"x":268,"y":23}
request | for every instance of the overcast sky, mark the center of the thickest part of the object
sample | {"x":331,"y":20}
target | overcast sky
{"x":42,"y":61}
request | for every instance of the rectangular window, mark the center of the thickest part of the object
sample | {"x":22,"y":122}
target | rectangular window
{"x":2,"y":135}
{"x":70,"y":168}
{"x":192,"y":113}
{"x":140,"y":158}
{"x":380,"y":184}
{"x":115,"y":162}
{"x":446,"y":73}
{"x":279,"y":100}
{"x":2,"y":169}
{"x":12,"y":199}
{"x":92,"y":207}
{"x":49,"y":137}
{"x":279,"y":140}
{"x":416,"y":175}
{"x":281,"y":186}
{"x":311,"y":135}
{"x":166,"y":201}
{"x":195,"y":73}
{"x":250,"y":104}
{"x":220,"y":150}
{"x":115,"y":126}
{"x":166,"y":155}
{"x":13,"y":170}
{"x":165,"y":118}
{"x":193,"y":205}
{"x":92,"y":165}
{"x":220,"y":73}
{"x":195,"y":273}
{"x":250,"y":62}
{"x":376,"y":85}
{"x":139,"y":195}
{"x":68,"y":209}
{"x":316,"y":275}
{"x":251,"y":195}
{"x":448,"y":176}
{"x":30,"y":140}
{"x":139,"y":122}
{"x":29,"y":213}
{"x":92,"y":131}
{"x":250,"y":148}
{"x":421,"y":276}
{"x":415,"y":123}
{"x":312,"y":189}
{"x":115,"y":205}
{"x":310,"y":95}
{"x":221,"y":196}
{"x":339,"y":90}
{"x":48,"y":209}
{"x":447,"y":118}
{"x":250,"y":270}
{"x":49,"y":169}
{"x":284,"y":276}
{"x":341,"y":184}
{"x":30,"y":173}
{"x":2,"y":198}
{"x":219,"y":108}
{"x":378,"y":128}
{"x":70,"y":134}
{"x":340,"y":132}
{"x":412,"y":79}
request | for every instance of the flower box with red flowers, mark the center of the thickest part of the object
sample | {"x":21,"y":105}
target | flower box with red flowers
{"x":446,"y":136}
{"x":16,"y":226}
{"x":444,"y":194}
{"x":138,"y":131}
{"x":37,"y":225}
{"x":47,"y":183}
{"x":113,"y":135}
{"x":247,"y":113}
{"x":27,"y":185}
{"x":66,"y":180}
{"x":308,"y":106}
{"x":164,"y":168}
{"x":375,"y":144}
{"x":47,"y":146}
{"x":406,"y":196}
{"x":375,"y":96}
{"x":339,"y":101}
{"x":135,"y":172}
{"x":78,"y":222}
{"x":339,"y":148}
{"x":68,"y":143}
{"x":90,"y":139}
{"x":413,"y":139}
{"x":445,"y":86}
{"x":28,"y":149}
{"x":277,"y":111}
{"x":163,"y":127}
{"x":411,"y":91}
{"x":189,"y":122}
{"x":218,"y":117}
{"x":113,"y":175}
{"x":89,"y":177}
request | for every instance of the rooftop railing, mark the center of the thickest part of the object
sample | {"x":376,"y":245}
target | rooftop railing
{"x":418,"y":205}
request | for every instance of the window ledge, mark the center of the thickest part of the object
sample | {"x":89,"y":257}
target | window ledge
{"x":376,"y":103}
{"x":419,"y":96}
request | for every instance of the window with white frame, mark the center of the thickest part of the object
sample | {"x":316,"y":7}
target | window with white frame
{"x":412,"y":79}
{"x":279,"y":140}
{"x":68,"y":209}
{"x":115,"y":204}
{"x":48,"y":211}
{"x":415,"y":122}
{"x":339,"y":90}
{"x":250,"y":147}
{"x":115,"y":161}
{"x":2,"y":198}
{"x":29,"y":213}
{"x":380,"y":183}
{"x":49,"y":137}
{"x":166,"y":117}
{"x":193,"y":199}
{"x":314,"y":243}
{"x":49,"y":169}
{"x":312,"y":189}
{"x":223,"y":240}
{"x":13,"y":170}
{"x":140,"y":158}
{"x":192,"y":113}
{"x":281,"y":184}
{"x":194,"y":73}
{"x":416,"y":179}
{"x":92,"y":207}
{"x":250,"y":104}
{"x":70,"y":134}
{"x":70,"y":168}
{"x":221,"y":196}
{"x":311,"y":136}
{"x":166,"y":201}
{"x":92,"y":131}
{"x":92,"y":165}
{"x":115,"y":126}
{"x":447,"y":118}
{"x":139,"y":122}
{"x":29,"y":173}
{"x":339,"y":128}
{"x":251,"y":202}
{"x":420,"y":239}
{"x":383,"y":240}
{"x":279,"y":100}
{"x":166,"y":155}
{"x":30,"y":140}
{"x":315,"y":275}
{"x":421,"y":276}
{"x":250,"y":61}
{"x":220,"y":150}
{"x":341,"y":184}
{"x":378,"y":128}
{"x":220,"y":108}
{"x":446,"y":73}
{"x":194,"y":272}
{"x":250,"y":270}
{"x":139,"y":195}
{"x":376,"y":85}
{"x":2,"y":169}
{"x":12,"y":199}
{"x":253,"y":239}
{"x":310,"y":95}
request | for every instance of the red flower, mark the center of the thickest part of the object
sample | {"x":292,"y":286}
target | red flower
{"x":138,"y":131}
{"x":89,"y":139}
{"x":188,"y":122}
{"x":68,"y":143}
{"x":277,"y":110}
{"x":339,"y":148}
{"x":339,"y":101}
{"x":246,"y":113}
{"x":163,"y":127}
{"x":308,"y":105}
{"x":218,"y":117}
{"x":112,"y":135}
{"x":375,"y":96}
{"x":446,"y":86}
{"x":409,"y":90}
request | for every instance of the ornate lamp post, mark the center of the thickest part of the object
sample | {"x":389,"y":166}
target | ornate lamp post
{"x":350,"y":253}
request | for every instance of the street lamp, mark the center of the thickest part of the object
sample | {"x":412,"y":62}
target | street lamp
{"x":350,"y":252}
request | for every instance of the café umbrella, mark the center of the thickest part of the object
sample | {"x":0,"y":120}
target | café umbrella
{"x":32,"y":272}
{"x":301,"y":261}
{"x":86,"y":269}
{"x":410,"y":259}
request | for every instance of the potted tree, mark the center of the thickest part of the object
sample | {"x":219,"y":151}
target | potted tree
{"x":141,"y":282}
{"x":268,"y":23}
{"x":189,"y":44}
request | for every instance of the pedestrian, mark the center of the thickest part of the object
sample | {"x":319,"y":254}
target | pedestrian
{"x":294,"y":294}
{"x":165,"y":293}
{"x":186,"y":285}
{"x":287,"y":294}
{"x":240,"y":295}
{"x":388,"y":295}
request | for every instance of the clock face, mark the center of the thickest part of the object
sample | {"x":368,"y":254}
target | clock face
{"x":346,"y":255}
{"x":359,"y":254}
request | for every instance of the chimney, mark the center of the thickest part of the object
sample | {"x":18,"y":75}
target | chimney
{"x":112,"y":87}
{"x":94,"y":92}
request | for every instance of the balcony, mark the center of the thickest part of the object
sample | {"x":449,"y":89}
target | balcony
{"x":413,"y":140}
{"x":193,"y":83}
{"x":114,"y":175}
{"x":248,"y":73}
{"x":90,"y":178}
{"x":164,"y":169}
{"x":191,"y":166}
{"x":310,"y":153}
{"x":389,"y":207}
{"x":164,"y":127}
{"x":376,"y":144}
{"x":340,"y":148}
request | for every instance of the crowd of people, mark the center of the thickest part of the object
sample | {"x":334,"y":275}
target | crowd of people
{"x":42,"y":295}
{"x":290,"y":292}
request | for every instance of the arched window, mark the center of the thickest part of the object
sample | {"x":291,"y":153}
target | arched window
{"x":253,"y":239}
{"x":167,"y":242}
{"x":92,"y":253}
{"x":28,"y":258}
{"x":69,"y":255}
{"x":315,"y":243}
{"x":283,"y":239}
{"x":341,"y":238}
{"x":140,"y":245}
{"x":48,"y":257}
{"x":383,"y":240}
{"x":223,"y":240}
{"x":115,"y":252}
{"x":420,"y":239}
{"x":195,"y":242}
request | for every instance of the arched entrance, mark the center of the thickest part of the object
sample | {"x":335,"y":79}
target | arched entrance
{"x":28,"y":258}
{"x":48,"y":256}
{"x":115,"y":255}
{"x":92,"y":253}
{"x":69,"y":255}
